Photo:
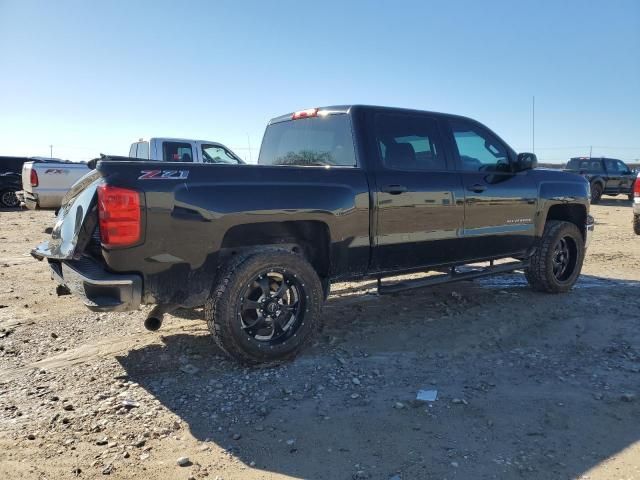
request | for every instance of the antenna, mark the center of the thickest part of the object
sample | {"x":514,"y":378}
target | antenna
{"x":533,"y":124}
{"x":50,"y":151}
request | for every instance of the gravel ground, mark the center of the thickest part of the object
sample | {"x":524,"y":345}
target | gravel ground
{"x":528,"y":385}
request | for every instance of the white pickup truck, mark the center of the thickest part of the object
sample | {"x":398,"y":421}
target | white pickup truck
{"x":183,"y":150}
{"x":46,"y":181}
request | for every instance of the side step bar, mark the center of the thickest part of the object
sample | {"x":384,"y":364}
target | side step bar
{"x":453,"y":276}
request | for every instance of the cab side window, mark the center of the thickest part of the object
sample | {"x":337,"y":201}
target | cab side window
{"x":177,"y":152}
{"x":217,"y":154}
{"x":409,"y":142}
{"x":479,"y":151}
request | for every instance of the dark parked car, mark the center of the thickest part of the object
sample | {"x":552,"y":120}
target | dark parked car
{"x":12,"y":164}
{"x":341,"y":193}
{"x":607,"y":176}
{"x":10,"y":183}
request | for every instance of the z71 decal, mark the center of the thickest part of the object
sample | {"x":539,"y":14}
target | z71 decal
{"x":163,"y":174}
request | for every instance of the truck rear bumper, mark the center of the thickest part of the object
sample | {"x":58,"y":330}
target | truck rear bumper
{"x":100,"y":290}
{"x":636,"y":205}
{"x":29,"y":199}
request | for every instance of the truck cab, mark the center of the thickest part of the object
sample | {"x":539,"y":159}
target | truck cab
{"x":183,"y":150}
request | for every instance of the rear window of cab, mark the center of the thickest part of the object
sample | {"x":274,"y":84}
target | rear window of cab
{"x":316,"y":141}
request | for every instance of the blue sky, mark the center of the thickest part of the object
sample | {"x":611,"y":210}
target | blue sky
{"x":91,"y":77}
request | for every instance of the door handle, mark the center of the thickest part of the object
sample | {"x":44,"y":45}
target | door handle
{"x":478,"y":188}
{"x":394,"y":189}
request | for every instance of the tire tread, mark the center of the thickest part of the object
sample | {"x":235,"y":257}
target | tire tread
{"x":537,"y":273}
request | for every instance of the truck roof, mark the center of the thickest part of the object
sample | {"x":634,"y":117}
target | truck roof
{"x":348,"y":108}
{"x":175,"y":139}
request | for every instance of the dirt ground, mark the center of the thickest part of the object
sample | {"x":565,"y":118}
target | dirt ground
{"x":529,"y":385}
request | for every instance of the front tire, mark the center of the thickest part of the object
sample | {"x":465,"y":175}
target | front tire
{"x":636,"y":224}
{"x":556,"y":265}
{"x":266,"y":306}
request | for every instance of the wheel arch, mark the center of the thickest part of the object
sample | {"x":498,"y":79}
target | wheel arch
{"x":569,"y":212}
{"x":309,"y":238}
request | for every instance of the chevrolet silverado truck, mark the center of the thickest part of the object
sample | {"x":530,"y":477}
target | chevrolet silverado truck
{"x":340,"y":193}
{"x":607,"y":176}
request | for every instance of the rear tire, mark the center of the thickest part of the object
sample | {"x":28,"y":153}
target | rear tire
{"x":266,"y":306}
{"x":636,"y":224}
{"x":596,"y":193}
{"x":556,"y":265}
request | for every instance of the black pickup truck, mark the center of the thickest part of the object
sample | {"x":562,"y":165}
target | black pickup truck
{"x":607,"y":176}
{"x":340,"y":193}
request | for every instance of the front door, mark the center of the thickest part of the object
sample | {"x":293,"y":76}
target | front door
{"x":419,"y":196}
{"x":614,"y":176}
{"x":500,"y":206}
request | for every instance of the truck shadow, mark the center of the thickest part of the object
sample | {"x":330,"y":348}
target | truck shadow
{"x":615,"y":202}
{"x":529,"y":385}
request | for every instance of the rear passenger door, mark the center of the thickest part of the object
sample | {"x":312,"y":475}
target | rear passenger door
{"x":419,"y":197}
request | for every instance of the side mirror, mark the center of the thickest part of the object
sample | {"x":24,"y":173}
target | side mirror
{"x":525,"y":161}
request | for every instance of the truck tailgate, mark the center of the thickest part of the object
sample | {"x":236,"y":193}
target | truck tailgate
{"x":75,"y":224}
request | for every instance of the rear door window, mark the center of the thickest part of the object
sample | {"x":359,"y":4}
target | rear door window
{"x":409,"y":142}
{"x":177,"y":152}
{"x":317,"y":141}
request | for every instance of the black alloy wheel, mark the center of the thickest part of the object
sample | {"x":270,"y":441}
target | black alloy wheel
{"x":271,"y":307}
{"x":9,"y":199}
{"x":564,"y":258}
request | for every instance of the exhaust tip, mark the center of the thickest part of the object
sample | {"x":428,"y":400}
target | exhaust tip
{"x":153,"y":323}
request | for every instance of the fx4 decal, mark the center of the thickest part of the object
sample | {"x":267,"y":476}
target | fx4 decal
{"x":163,"y":174}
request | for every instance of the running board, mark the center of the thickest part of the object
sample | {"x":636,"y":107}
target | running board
{"x":453,"y":276}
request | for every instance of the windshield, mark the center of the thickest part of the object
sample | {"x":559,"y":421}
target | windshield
{"x":310,"y":141}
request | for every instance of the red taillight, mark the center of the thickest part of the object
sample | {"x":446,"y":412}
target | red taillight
{"x":308,"y":113}
{"x":34,"y":177}
{"x":636,"y":187}
{"x":119,"y":214}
